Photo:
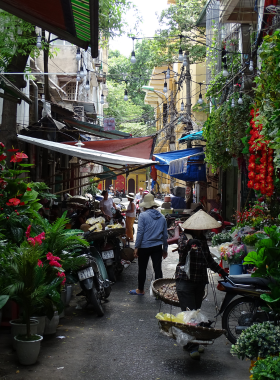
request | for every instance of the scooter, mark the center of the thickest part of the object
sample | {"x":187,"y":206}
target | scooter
{"x":93,"y":281}
{"x":240,"y":313}
{"x":111,"y":256}
{"x":224,"y":224}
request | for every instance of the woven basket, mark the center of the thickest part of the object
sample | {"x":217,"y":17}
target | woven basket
{"x":200,"y":333}
{"x":164,"y":281}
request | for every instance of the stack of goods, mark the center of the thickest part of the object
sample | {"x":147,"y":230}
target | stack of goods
{"x":96,"y":224}
{"x":77,"y":201}
{"x":166,"y":206}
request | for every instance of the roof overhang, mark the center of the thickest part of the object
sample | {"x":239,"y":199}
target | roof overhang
{"x":111,"y":160}
{"x":12,"y":93}
{"x":238,"y":11}
{"x":75,"y":21}
{"x":96,"y":129}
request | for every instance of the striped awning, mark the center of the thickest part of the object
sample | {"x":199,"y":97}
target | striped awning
{"x":75,"y":21}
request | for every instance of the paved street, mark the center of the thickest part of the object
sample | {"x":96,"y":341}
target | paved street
{"x":125,"y":344}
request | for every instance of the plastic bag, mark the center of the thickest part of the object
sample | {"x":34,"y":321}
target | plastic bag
{"x":194,"y":317}
{"x":187,"y":265}
{"x":181,"y":338}
{"x":151,"y":289}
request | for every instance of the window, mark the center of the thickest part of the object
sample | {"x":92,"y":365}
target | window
{"x":70,"y":90}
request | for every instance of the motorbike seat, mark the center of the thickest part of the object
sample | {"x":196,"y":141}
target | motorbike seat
{"x":258,"y":282}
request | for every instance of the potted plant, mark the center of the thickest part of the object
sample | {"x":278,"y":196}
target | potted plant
{"x":251,"y":240}
{"x":221,"y":238}
{"x":234,"y":255}
{"x":258,"y":341}
{"x":266,"y":369}
{"x":30,"y":286}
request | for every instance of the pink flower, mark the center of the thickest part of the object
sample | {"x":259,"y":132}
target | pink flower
{"x":2,"y":145}
{"x":40,"y":263}
{"x":61,"y":275}
{"x":54,"y":263}
{"x":39,"y":238}
{"x":49,"y":256}
{"x":27,"y":233}
{"x":31,"y":241}
{"x":13,"y":202}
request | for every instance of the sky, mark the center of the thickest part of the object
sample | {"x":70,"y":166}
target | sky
{"x":148,"y":10}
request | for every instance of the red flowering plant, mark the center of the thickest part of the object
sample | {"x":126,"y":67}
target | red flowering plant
{"x":31,"y":282}
{"x":255,"y":216}
{"x":18,"y":200}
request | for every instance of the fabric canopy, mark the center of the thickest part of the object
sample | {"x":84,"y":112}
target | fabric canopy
{"x":110,"y":160}
{"x":140,"y":147}
{"x":195,"y":170}
{"x":75,"y":21}
{"x":192,"y":136}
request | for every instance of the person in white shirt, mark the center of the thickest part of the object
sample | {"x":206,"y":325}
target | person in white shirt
{"x":106,"y":205}
{"x":139,"y":196}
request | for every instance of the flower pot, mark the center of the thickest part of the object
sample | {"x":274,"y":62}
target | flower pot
{"x":235,"y":269}
{"x":41,"y":325}
{"x":19,"y":328}
{"x":28,"y":351}
{"x":51,"y":325}
{"x":250,"y":248}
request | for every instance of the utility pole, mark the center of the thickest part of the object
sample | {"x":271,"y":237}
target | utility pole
{"x":189,"y":185}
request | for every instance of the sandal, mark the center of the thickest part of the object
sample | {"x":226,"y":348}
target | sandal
{"x":134,"y":293}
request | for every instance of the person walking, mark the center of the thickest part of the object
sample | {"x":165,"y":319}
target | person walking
{"x":151,"y":241}
{"x":130,"y":217}
{"x":194,"y":259}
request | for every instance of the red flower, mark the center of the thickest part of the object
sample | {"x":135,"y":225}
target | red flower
{"x":21,"y":204}
{"x":250,"y":184}
{"x":54,"y":263}
{"x":15,"y":159}
{"x":251,"y":175}
{"x":61,"y":275}
{"x":28,"y":189}
{"x":40,"y":263}
{"x":13,"y":150}
{"x":257,"y":186}
{"x":31,"y":241}
{"x":27,"y":233}
{"x":13,"y":202}
{"x":21,"y":155}
{"x":2,"y":145}
{"x":3,"y":156}
{"x":38,"y":239}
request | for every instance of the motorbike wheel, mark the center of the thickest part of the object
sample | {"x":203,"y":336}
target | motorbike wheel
{"x":111,"y":273}
{"x":241,"y":312}
{"x":94,"y":300}
{"x":107,"y":291}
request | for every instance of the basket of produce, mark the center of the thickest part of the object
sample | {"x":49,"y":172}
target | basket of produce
{"x":165,"y":289}
{"x":91,"y":235}
{"x":199,"y":332}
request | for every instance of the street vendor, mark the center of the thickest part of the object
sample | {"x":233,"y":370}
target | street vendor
{"x":194,"y":259}
{"x":106,"y":205}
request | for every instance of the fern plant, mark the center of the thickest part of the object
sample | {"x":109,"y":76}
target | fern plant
{"x":67,"y":244}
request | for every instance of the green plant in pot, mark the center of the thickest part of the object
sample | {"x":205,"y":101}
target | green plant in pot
{"x":266,"y":260}
{"x":32,"y":284}
{"x":266,"y":369}
{"x":258,"y":341}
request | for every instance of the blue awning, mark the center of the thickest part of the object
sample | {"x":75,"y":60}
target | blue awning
{"x":195,"y":170}
{"x":193,"y":136}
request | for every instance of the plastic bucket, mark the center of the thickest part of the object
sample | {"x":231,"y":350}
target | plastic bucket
{"x":235,"y":269}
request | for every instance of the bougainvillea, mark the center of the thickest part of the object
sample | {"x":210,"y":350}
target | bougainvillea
{"x":261,"y":159}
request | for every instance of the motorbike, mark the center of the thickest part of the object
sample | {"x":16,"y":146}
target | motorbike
{"x":240,"y":313}
{"x":215,"y":213}
{"x":110,"y":252}
{"x":93,"y":280}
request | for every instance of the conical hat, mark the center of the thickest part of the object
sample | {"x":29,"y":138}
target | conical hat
{"x":200,"y":221}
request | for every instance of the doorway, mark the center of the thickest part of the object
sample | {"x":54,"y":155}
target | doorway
{"x":131,"y":185}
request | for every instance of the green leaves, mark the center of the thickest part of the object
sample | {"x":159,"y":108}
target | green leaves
{"x":265,"y":369}
{"x":3,"y":301}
